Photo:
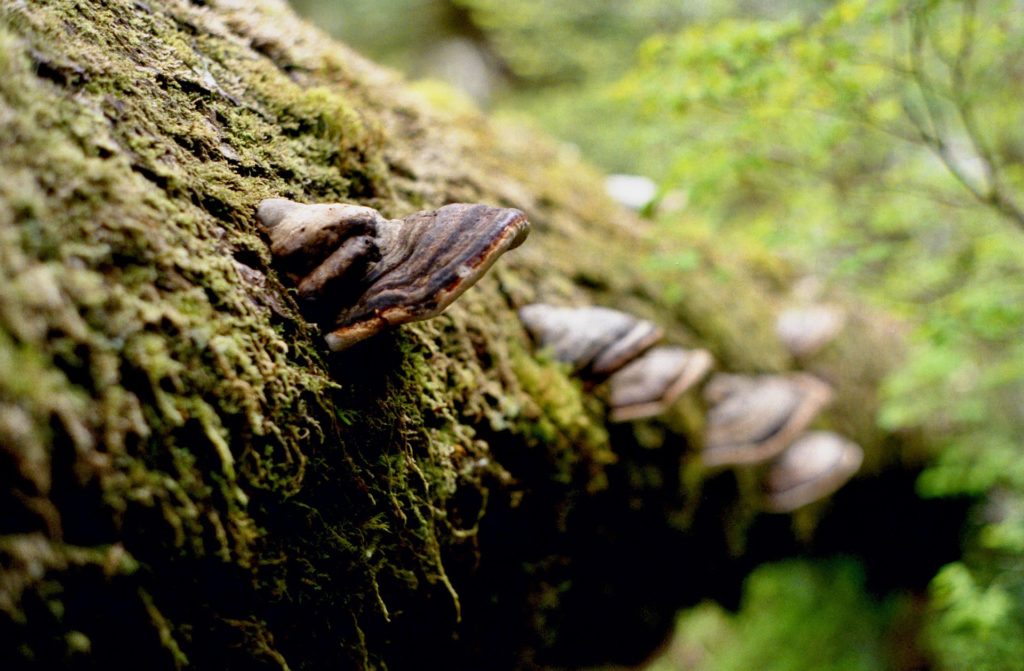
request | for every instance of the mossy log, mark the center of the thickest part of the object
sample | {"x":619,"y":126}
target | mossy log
{"x":190,"y":479}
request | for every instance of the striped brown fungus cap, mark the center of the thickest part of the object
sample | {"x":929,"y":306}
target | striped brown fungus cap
{"x":596,"y":341}
{"x":358,"y":273}
{"x":648,"y":385}
{"x":752,"y":419}
{"x":812,"y":468}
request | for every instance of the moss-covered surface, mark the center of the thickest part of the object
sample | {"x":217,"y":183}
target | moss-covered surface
{"x":187,"y":476}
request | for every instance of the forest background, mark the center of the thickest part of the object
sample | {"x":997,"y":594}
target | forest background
{"x":877,"y":145}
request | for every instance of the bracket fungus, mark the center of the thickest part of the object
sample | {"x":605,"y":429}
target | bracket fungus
{"x":596,"y":341}
{"x":648,"y":385}
{"x":358,"y":273}
{"x":753,"y":419}
{"x":806,"y":330}
{"x":813,"y":467}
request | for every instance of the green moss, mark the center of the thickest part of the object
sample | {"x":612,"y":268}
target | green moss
{"x":560,"y":416}
{"x":174,"y":389}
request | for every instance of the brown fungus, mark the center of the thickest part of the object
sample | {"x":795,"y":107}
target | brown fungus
{"x":806,"y":330}
{"x":648,"y":385}
{"x":813,"y":467}
{"x":358,"y":273}
{"x":753,"y":419}
{"x":303,"y":236}
{"x":596,"y":341}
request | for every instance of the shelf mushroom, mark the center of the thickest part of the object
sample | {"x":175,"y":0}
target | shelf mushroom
{"x":648,"y":385}
{"x":753,"y":419}
{"x":597,"y":341}
{"x":358,"y":273}
{"x":806,"y":330}
{"x":813,"y":467}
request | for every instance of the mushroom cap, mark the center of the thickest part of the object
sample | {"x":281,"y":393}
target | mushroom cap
{"x":648,"y":385}
{"x":723,"y":385}
{"x":594,"y":340}
{"x":754,"y":418}
{"x":427,"y":261}
{"x":303,"y":236}
{"x":813,"y":467}
{"x":806,"y":330}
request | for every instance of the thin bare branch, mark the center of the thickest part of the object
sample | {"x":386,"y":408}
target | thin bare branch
{"x":932,"y":127}
{"x":996,"y":194}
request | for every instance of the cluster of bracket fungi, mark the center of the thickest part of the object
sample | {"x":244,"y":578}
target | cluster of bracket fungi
{"x":358,"y":273}
{"x":752,"y":421}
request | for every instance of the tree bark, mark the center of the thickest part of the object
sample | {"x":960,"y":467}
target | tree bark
{"x":189,"y":477}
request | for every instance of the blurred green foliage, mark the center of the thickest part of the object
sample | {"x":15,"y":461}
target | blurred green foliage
{"x":978,"y":621}
{"x":796,"y":615}
{"x":883,"y":143}
{"x":393,"y":32}
{"x":880,"y":144}
{"x":547,"y":42}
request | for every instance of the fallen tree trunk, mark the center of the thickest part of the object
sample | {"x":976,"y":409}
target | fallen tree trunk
{"x":190,"y":478}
